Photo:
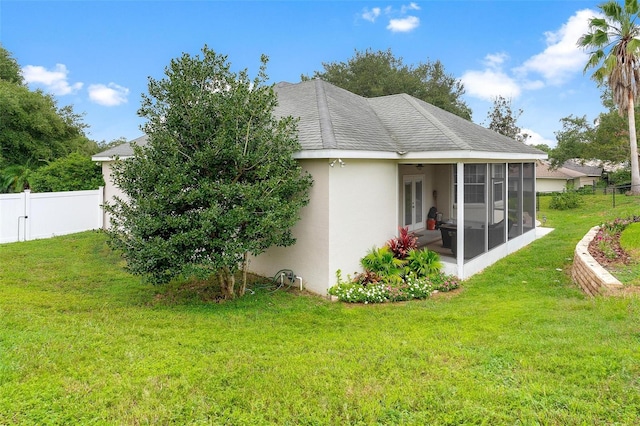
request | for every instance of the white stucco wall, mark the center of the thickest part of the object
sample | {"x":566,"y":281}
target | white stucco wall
{"x":364,"y":200}
{"x":309,"y":257}
{"x":351,"y":209}
{"x":110,"y":190}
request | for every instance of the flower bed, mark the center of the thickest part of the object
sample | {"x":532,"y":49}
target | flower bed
{"x":410,"y":288}
{"x":396,"y":272}
{"x":600,"y":247}
{"x":605,"y":246}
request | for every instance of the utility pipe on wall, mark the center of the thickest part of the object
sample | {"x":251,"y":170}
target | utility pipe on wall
{"x":25,"y":227}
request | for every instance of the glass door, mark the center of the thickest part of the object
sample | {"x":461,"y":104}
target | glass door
{"x":413,"y":194}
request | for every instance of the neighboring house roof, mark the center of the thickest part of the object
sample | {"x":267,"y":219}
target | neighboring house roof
{"x":121,"y":151}
{"x":335,"y":122}
{"x":588,"y":170}
{"x":545,"y":171}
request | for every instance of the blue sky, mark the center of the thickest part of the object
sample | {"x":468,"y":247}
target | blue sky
{"x":98,"y":55}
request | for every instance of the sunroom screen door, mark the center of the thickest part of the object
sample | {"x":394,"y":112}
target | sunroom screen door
{"x":413,"y":205}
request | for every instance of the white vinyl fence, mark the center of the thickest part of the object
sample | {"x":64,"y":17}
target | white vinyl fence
{"x":26,"y":216}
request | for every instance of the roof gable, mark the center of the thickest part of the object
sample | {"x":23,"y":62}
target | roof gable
{"x":334,"y":118}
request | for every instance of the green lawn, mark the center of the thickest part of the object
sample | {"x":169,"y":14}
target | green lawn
{"x":630,"y":242}
{"x":82,"y":342}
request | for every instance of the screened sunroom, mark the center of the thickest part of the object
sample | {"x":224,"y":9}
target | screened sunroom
{"x":471,"y":213}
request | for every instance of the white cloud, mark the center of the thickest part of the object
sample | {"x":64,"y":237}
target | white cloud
{"x":536,"y":138}
{"x":410,"y":6}
{"x":495,"y":60}
{"x":488,"y":84}
{"x":491,"y":82}
{"x":562,"y":58}
{"x":403,"y":25}
{"x":371,"y":15}
{"x":54,"y":80}
{"x":399,"y":21}
{"x":108,"y":95}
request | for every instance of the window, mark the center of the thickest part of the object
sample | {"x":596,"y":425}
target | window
{"x":474,"y":183}
{"x":497,"y":177}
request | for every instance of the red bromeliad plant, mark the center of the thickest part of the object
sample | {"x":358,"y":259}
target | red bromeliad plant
{"x":402,"y":244}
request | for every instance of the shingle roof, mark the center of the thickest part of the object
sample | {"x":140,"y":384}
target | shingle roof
{"x":334,"y":118}
{"x":123,"y":151}
{"x":545,"y":171}
{"x":331,"y":118}
{"x":583,"y":168}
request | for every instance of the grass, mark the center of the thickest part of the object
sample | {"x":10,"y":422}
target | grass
{"x":83,"y":342}
{"x":630,"y":242}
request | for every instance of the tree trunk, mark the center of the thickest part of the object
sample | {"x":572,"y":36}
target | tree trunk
{"x":633,"y":144}
{"x":227,"y":282}
{"x":243,"y":287}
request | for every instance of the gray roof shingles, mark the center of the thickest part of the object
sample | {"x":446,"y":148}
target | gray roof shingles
{"x":583,"y":168}
{"x":336,"y":119}
{"x":124,"y":150}
{"x":387,"y":123}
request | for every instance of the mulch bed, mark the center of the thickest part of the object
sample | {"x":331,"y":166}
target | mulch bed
{"x":621,"y":258}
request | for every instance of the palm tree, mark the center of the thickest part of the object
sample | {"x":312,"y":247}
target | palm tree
{"x":14,"y":178}
{"x":615,"y":56}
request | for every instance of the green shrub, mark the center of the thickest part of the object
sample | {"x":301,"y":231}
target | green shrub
{"x":586,"y":190}
{"x":384,"y":263}
{"x":620,"y":177}
{"x":423,"y":263}
{"x":74,"y":172}
{"x":565,"y":201}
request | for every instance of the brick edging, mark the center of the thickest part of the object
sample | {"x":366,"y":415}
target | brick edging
{"x":592,"y":278}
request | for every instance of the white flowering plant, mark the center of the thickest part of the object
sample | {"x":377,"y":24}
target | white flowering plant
{"x":411,"y":287}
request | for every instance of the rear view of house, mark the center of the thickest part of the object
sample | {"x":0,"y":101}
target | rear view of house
{"x":383,"y":163}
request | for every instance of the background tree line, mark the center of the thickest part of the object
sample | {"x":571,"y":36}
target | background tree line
{"x":604,"y":139}
{"x":42,"y":146}
{"x":37,"y":137}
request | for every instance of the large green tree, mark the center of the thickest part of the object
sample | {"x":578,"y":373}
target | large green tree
{"x":217,"y":180}
{"x":611,"y":137}
{"x":573,"y":141}
{"x":504,"y":120}
{"x":371,"y":74}
{"x":9,"y":68}
{"x":33,"y":130}
{"x":614,"y":44}
{"x":605,"y":139}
